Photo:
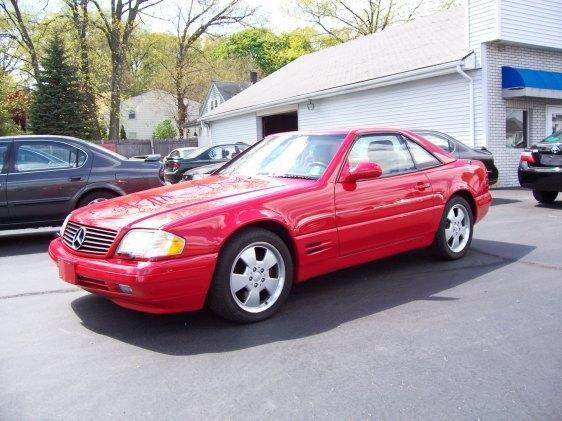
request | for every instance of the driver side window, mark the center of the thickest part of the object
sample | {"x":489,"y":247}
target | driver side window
{"x":388,"y":151}
{"x":41,"y":156}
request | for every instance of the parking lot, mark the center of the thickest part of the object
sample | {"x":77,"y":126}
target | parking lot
{"x":402,"y":338}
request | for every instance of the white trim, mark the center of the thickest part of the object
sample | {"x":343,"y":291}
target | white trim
{"x":485,"y":92}
{"x":277,"y":110}
{"x":470,"y":104}
{"x":423,"y":73}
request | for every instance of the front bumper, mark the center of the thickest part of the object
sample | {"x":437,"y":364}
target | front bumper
{"x":174,"y":177}
{"x":165,"y":286}
{"x":540,"y":178}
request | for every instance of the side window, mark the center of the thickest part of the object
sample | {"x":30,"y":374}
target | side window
{"x":439,"y":141}
{"x":388,"y":151}
{"x":215,"y":153}
{"x":174,"y":154}
{"x":422,"y":158}
{"x":40,"y":156}
{"x":3,"y":155}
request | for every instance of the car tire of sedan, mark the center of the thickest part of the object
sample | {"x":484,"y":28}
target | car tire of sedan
{"x":253,"y":277}
{"x":454,"y":234}
{"x":95,"y":196}
{"x":545,"y":196}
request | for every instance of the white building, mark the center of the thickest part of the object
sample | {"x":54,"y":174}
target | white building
{"x":443,"y":72}
{"x":140,"y":114}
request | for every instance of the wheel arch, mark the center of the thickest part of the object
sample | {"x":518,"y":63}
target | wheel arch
{"x":93,"y":188}
{"x":466,"y":195}
{"x":271,"y":225}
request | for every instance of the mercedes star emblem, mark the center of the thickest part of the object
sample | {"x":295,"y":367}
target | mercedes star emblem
{"x":555,"y":149}
{"x":79,"y":238}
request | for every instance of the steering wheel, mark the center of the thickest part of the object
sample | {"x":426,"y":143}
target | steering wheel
{"x":319,"y":164}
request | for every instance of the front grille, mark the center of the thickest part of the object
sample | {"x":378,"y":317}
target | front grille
{"x":94,"y":240}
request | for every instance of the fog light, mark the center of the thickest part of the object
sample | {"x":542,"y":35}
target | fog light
{"x":126,"y":289}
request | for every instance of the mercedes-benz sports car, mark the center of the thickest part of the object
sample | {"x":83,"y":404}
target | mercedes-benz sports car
{"x":291,"y":207}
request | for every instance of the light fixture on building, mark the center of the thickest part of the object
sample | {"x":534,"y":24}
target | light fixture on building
{"x":310,"y":105}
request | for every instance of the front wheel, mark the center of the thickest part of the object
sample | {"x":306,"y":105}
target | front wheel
{"x":253,"y":277}
{"x":545,"y":196}
{"x":454,"y":234}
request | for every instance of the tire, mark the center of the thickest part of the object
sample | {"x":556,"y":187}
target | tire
{"x":237,"y":294}
{"x":545,"y":196}
{"x":444,"y":246}
{"x":95,"y":196}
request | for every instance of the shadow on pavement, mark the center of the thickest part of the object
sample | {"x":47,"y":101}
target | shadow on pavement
{"x":313,"y":307}
{"x":503,"y":201}
{"x":21,"y":243}
{"x":555,"y":205}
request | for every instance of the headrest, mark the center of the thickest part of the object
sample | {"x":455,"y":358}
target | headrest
{"x":381,"y":145}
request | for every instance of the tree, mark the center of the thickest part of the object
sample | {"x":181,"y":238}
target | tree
{"x":7,"y":124}
{"x":21,"y":32}
{"x":57,"y":105}
{"x":194,"y":20}
{"x":348,"y":19}
{"x":267,"y":50}
{"x":81,"y":21}
{"x":122,"y":133}
{"x":165,"y":130}
{"x":118,"y":25}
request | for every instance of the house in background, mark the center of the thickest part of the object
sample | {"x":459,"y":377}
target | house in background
{"x":488,"y":73}
{"x":219,"y":92}
{"x":140,"y":114}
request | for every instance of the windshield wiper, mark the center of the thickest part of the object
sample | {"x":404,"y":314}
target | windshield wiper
{"x":304,"y":177}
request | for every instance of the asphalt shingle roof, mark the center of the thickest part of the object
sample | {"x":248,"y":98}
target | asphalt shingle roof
{"x":424,"y":42}
{"x":229,"y":89}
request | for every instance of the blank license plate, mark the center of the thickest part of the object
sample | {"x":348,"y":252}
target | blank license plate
{"x":67,"y":271}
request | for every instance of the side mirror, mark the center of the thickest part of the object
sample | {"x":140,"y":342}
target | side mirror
{"x":362,"y":171}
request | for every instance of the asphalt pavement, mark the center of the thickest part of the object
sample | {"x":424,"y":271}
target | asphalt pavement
{"x":402,"y":338}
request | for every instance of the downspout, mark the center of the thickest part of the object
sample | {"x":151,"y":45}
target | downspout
{"x":461,"y":72}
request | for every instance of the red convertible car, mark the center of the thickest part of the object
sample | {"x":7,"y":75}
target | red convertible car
{"x":291,"y":207}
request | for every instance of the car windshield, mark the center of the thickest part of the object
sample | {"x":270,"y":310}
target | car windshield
{"x":555,"y":137}
{"x":191,"y":152}
{"x":291,"y":155}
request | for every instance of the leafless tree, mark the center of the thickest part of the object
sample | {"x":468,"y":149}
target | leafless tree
{"x":118,"y":24}
{"x":194,"y":19}
{"x":80,"y":18}
{"x":345,"y":19}
{"x":21,"y":33}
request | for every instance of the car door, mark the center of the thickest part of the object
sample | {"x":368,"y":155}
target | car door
{"x":4,"y":154}
{"x":44,"y":177}
{"x":396,"y":207}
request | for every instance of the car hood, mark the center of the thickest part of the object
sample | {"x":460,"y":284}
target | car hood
{"x":157,"y":207}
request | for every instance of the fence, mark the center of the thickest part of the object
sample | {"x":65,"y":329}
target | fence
{"x":134,"y":147}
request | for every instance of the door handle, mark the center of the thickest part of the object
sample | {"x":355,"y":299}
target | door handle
{"x":422,"y":186}
{"x":74,"y":178}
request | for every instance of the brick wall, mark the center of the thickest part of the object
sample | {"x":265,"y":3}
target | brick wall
{"x":497,"y":55}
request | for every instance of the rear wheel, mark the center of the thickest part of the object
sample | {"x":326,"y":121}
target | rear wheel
{"x":454,"y":234}
{"x":95,"y":196}
{"x":545,"y":196}
{"x":253,"y":277}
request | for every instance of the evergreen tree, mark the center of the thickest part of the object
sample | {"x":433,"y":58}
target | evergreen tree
{"x":58,"y":105}
{"x":123,"y":133}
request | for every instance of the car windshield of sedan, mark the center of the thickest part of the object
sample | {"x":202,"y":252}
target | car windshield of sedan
{"x":192,"y":153}
{"x":555,"y":137}
{"x":291,"y":155}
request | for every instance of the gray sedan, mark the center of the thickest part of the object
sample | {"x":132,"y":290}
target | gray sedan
{"x":43,"y":178}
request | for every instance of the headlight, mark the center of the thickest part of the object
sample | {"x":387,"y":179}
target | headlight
{"x":150,"y":243}
{"x":61,"y":232}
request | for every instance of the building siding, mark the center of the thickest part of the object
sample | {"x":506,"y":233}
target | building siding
{"x":498,"y":55}
{"x":482,"y":24}
{"x":214,"y":94}
{"x":534,"y":22}
{"x":439,"y":103}
{"x":231,"y":130}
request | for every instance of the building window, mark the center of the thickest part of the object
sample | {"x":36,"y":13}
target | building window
{"x":516,"y":128}
{"x":214,"y":104}
{"x":132,"y":115}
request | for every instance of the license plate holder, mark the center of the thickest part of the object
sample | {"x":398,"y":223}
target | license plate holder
{"x":67,"y":272}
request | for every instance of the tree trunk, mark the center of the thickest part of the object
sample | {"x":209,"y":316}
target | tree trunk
{"x":115,"y":103}
{"x":182,"y":114}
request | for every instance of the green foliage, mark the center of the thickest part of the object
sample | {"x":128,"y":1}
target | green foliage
{"x":165,"y":130}
{"x":122,"y":133}
{"x":7,"y":124}
{"x":266,"y":49}
{"x":57,"y":103}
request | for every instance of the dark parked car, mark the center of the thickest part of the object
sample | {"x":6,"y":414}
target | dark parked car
{"x":460,"y":150}
{"x":43,"y":178}
{"x":540,"y":168}
{"x":201,"y":172}
{"x":174,"y":167}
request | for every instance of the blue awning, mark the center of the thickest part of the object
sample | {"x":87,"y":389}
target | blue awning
{"x":520,"y":83}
